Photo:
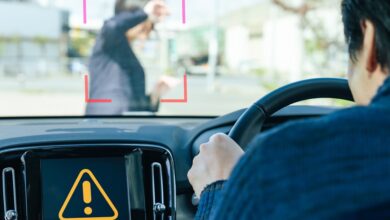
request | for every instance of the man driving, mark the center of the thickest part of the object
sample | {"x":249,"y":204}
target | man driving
{"x":334,"y":167}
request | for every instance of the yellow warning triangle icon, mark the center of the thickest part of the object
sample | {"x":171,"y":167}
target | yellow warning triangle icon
{"x":86,"y":186}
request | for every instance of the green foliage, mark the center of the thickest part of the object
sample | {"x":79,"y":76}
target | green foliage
{"x":83,"y":43}
{"x":199,"y":38}
{"x":323,"y":38}
{"x":2,"y":45}
{"x":41,"y":40}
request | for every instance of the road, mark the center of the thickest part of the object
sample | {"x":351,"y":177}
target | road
{"x":64,"y":96}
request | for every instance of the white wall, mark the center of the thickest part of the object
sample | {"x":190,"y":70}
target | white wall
{"x":237,"y":46}
{"x":283,"y":49}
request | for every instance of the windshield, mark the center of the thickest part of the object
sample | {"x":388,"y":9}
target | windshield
{"x":203,"y":57}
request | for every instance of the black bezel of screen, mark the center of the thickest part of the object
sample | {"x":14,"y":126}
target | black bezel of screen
{"x":32,"y":170}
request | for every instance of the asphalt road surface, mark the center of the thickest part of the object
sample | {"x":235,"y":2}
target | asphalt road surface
{"x":64,"y":96}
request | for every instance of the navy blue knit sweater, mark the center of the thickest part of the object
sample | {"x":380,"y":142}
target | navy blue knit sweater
{"x":333,"y":167}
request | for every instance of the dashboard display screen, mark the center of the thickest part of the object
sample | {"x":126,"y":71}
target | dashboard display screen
{"x":85,"y":188}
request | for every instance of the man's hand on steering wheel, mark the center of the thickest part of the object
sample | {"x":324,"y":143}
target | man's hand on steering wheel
{"x":218,"y":157}
{"x":214,"y":162}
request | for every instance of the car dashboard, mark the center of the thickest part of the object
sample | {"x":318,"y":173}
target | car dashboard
{"x":108,"y":167}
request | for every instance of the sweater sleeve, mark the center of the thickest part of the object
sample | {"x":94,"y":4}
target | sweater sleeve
{"x":116,"y":27}
{"x":208,"y":200}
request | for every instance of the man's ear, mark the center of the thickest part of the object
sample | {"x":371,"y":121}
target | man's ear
{"x":369,"y":49}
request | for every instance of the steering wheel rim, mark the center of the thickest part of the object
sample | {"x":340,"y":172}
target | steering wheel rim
{"x":252,"y":120}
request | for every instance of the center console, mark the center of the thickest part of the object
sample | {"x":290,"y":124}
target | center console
{"x":88,"y":181}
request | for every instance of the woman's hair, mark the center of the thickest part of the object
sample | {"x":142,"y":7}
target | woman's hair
{"x":126,"y":5}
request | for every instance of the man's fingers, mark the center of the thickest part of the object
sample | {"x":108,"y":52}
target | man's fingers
{"x":203,"y":147}
{"x":196,"y":163}
{"x":195,"y":160}
{"x":218,"y":138}
{"x":190,"y":174}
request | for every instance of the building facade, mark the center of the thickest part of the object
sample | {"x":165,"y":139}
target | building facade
{"x":33,"y":39}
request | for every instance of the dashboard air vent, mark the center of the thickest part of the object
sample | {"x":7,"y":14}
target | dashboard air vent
{"x":9,"y":194}
{"x":158,"y":191}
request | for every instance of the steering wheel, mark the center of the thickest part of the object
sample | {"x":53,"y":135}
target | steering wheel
{"x":252,"y":120}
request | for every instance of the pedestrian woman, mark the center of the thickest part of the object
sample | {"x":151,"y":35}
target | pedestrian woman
{"x":115,"y":71}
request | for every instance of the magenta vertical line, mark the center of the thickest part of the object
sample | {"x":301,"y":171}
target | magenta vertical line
{"x":85,"y":11}
{"x":183,"y":10}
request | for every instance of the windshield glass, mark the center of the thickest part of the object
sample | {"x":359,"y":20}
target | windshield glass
{"x":134,"y":57}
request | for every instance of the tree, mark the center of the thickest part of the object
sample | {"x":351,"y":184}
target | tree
{"x":300,"y":10}
{"x":320,"y":41}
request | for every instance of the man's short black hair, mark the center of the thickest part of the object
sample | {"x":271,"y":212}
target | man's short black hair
{"x":125,"y":5}
{"x":376,"y":11}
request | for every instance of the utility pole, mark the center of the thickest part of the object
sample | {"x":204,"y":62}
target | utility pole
{"x":213,"y":49}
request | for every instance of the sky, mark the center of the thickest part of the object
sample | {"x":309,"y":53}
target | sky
{"x":198,"y":11}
